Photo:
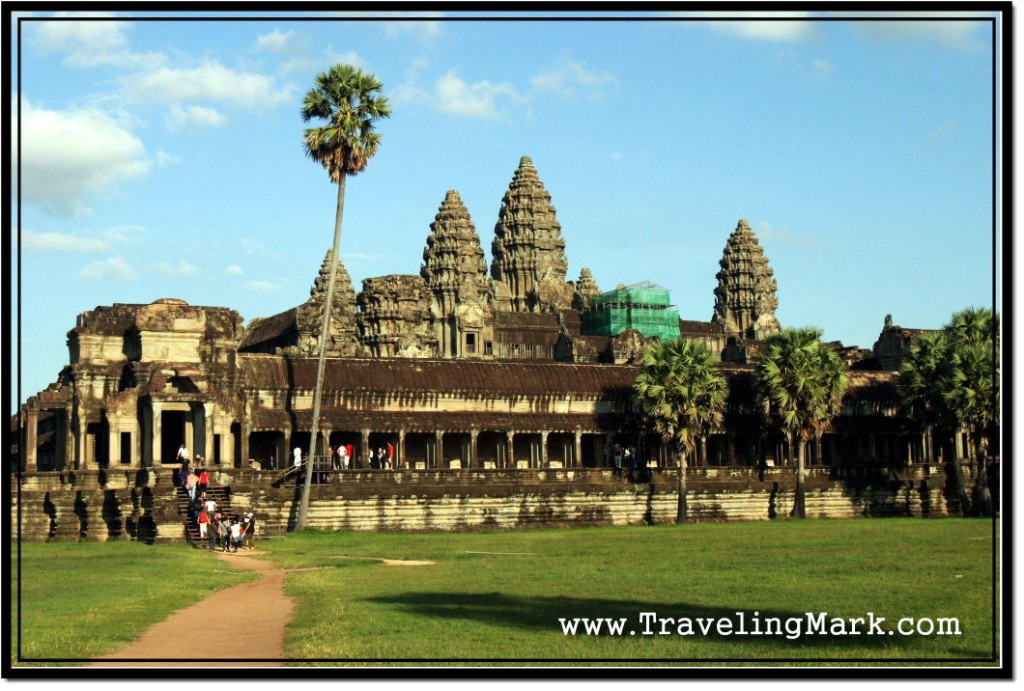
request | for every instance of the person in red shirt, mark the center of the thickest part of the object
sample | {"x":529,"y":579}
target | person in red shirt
{"x":203,"y":482}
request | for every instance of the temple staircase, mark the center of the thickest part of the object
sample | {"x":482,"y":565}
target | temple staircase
{"x":221,"y":495}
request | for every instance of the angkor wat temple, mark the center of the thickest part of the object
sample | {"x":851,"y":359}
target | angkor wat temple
{"x":460,"y":366}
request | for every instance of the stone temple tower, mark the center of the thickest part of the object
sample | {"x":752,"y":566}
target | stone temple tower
{"x":745,"y":299}
{"x":528,"y":251}
{"x":456,"y":276}
{"x":310,"y":315}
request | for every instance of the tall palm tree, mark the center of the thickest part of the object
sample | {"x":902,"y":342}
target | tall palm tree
{"x":348,"y":99}
{"x":926,"y":361}
{"x":800,"y":383}
{"x":970,"y":391}
{"x":682,"y":396}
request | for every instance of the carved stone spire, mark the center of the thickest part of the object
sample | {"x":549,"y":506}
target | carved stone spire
{"x":310,"y":315}
{"x":528,"y":248}
{"x":586,"y":288}
{"x":453,"y":261}
{"x":745,"y":299}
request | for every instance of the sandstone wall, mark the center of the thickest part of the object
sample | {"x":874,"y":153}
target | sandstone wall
{"x":142,"y":505}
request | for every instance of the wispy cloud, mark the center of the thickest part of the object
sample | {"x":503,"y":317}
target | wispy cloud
{"x":781,"y":234}
{"x":210,"y":81}
{"x":816,"y":70}
{"x":179,"y":118}
{"x":68,"y":156}
{"x":568,"y":79}
{"x":420,"y":25}
{"x":281,"y":42}
{"x":941,"y":133}
{"x":105,"y":241}
{"x":234,"y":270}
{"x":260,"y":286}
{"x":111,"y":269}
{"x":782,"y":26}
{"x":181,"y":268}
{"x":933,"y":27}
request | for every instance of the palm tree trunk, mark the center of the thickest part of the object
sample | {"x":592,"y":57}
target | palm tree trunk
{"x":983,"y":496}
{"x":799,"y":504}
{"x":325,"y":330}
{"x":681,"y":508}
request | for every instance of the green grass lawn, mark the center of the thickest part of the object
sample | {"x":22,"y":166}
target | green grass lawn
{"x":84,"y":599}
{"x":497,"y":597}
{"x":500,"y":595}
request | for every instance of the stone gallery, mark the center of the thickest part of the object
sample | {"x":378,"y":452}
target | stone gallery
{"x":464,"y":371}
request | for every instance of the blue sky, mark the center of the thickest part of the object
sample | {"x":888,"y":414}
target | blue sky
{"x":164,"y":158}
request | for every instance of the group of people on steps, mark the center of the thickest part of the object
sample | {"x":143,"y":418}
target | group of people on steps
{"x":216,"y":529}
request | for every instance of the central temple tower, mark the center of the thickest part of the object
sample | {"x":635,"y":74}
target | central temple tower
{"x":528,"y":251}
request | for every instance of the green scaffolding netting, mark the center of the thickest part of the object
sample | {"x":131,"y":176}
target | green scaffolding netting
{"x":644,"y":307}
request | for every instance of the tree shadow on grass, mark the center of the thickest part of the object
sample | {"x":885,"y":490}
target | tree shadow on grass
{"x":543,"y":614}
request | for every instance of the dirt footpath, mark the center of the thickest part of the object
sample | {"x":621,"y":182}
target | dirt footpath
{"x":247,"y":620}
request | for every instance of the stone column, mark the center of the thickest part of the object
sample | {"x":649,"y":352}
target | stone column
{"x":157,"y":409}
{"x":113,"y":445}
{"x":364,"y":446}
{"x":243,"y":443}
{"x":577,"y":449}
{"x":510,"y":452}
{"x":544,"y":449}
{"x":473,"y":461}
{"x":30,"y":442}
{"x":438,"y":450}
{"x":207,"y":433}
{"x":226,"y":451}
{"x":400,"y":451}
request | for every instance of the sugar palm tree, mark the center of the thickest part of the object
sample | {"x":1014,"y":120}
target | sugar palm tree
{"x":348,"y":100}
{"x":926,"y":361}
{"x":682,"y":397}
{"x":970,"y":391}
{"x":800,"y":384}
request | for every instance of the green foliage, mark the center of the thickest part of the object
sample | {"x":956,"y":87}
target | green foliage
{"x":799,"y":381}
{"x":951,"y":377}
{"x":680,"y":392}
{"x":84,"y":599}
{"x":347,"y":99}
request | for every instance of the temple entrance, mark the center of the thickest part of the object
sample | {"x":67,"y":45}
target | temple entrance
{"x":173,"y":434}
{"x":491,"y":449}
{"x":561,"y":450}
{"x":267,"y":449}
{"x":526,"y":451}
{"x":419,"y":450}
{"x":457,"y":447}
{"x":94,"y":455}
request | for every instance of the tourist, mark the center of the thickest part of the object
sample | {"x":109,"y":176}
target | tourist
{"x":618,"y":458}
{"x":225,"y":533}
{"x":236,"y":535}
{"x":204,"y":523}
{"x":627,"y":457}
{"x":250,"y":530}
{"x":214,"y":536}
{"x":391,"y":456}
{"x":204,"y":479}
{"x":370,"y":462}
{"x":350,"y":458}
{"x":346,"y":454}
{"x":191,"y":480}
{"x":296,"y":457}
{"x":211,"y":506}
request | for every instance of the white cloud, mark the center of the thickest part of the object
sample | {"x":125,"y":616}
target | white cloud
{"x":758,"y":25}
{"x":260,"y":286}
{"x":234,"y":270}
{"x":60,"y":242}
{"x":960,"y":35}
{"x":332,"y":57}
{"x":112,"y":269}
{"x":817,"y":71}
{"x":566,"y":80}
{"x":280,"y":42}
{"x":182,"y":268}
{"x":454,"y":95}
{"x":179,"y":118}
{"x":422,"y":25}
{"x":96,"y":40}
{"x":211,"y":81}
{"x":68,"y":156}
